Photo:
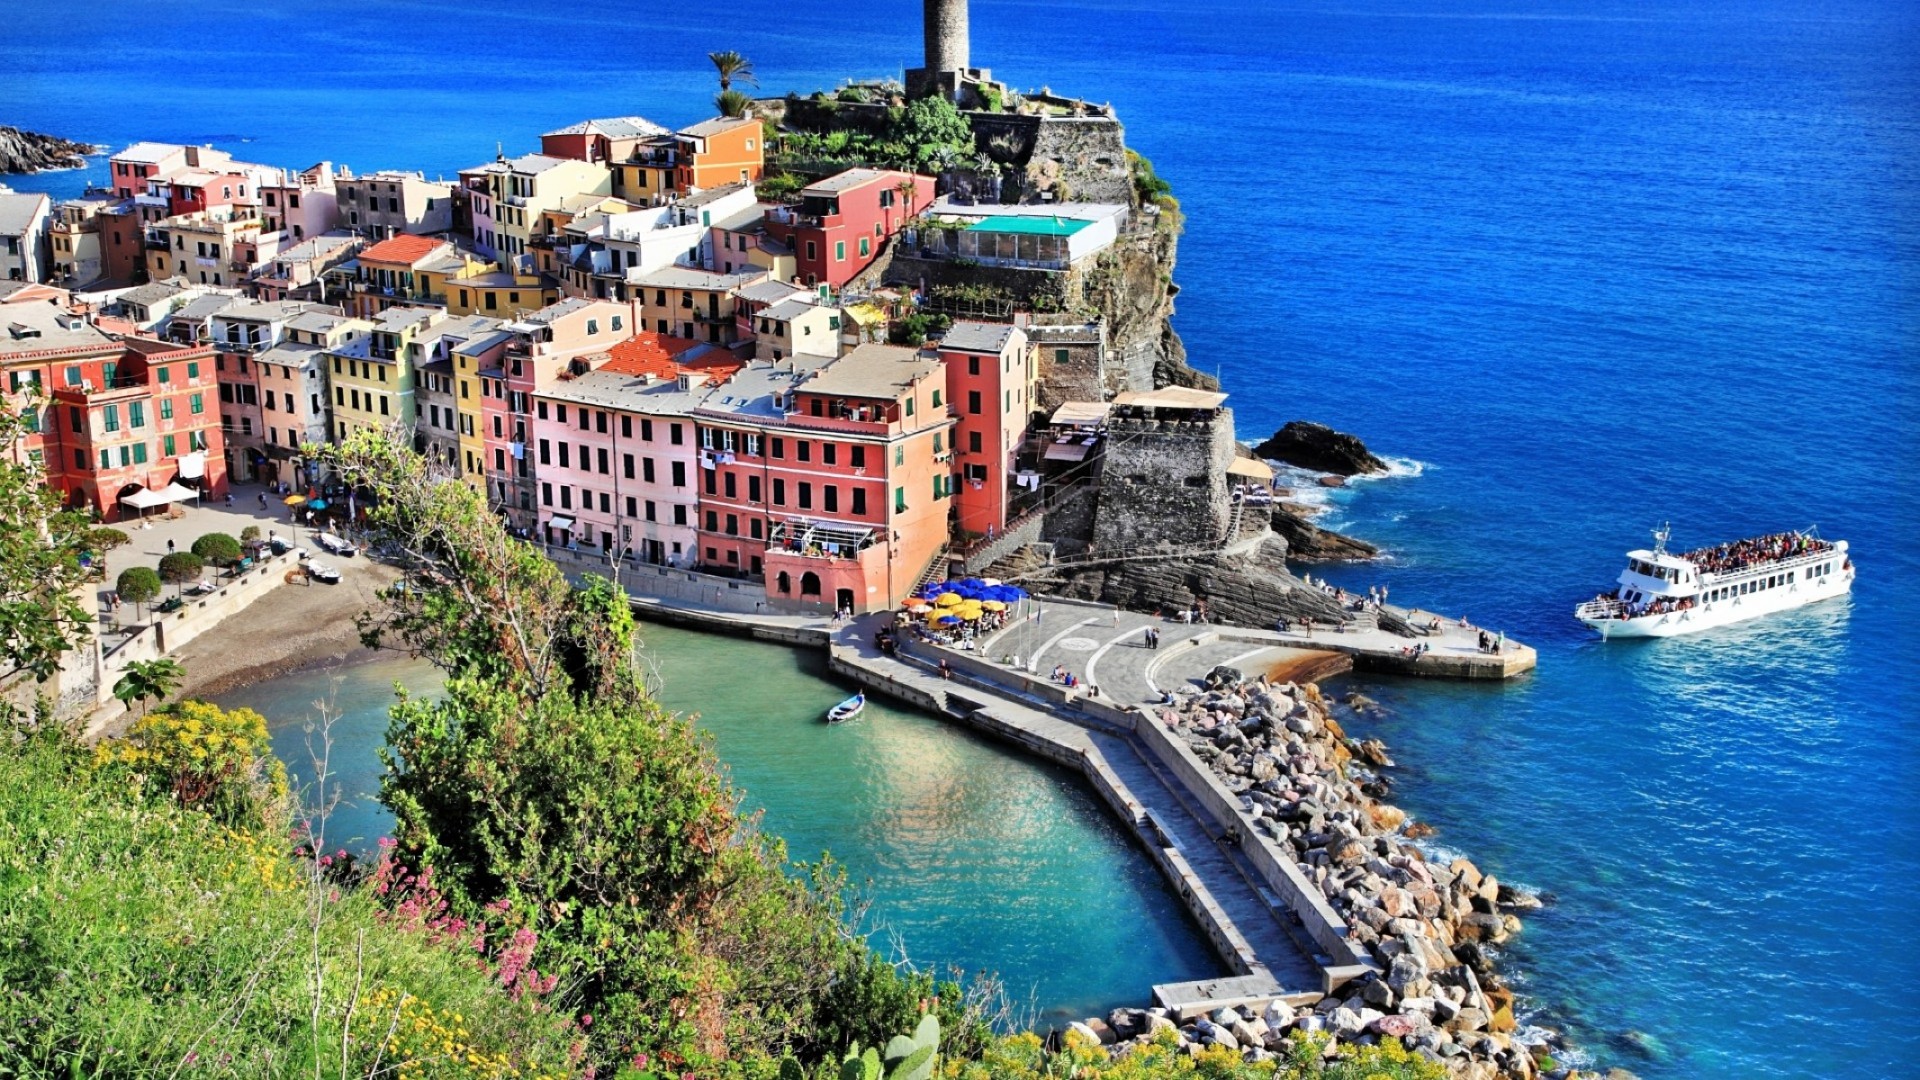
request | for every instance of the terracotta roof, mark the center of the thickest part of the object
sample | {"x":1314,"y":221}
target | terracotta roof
{"x":404,"y":249}
{"x":662,"y":356}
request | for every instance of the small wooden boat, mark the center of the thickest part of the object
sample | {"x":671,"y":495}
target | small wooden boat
{"x":847,"y":709}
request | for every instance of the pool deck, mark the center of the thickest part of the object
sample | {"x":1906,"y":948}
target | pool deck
{"x":1275,"y":932}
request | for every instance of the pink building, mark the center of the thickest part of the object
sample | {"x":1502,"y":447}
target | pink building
{"x":558,"y":339}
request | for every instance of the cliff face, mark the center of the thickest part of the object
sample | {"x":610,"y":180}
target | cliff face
{"x":30,"y":152}
{"x":1131,"y":287}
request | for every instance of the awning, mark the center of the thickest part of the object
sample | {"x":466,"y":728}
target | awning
{"x":1171,"y":397}
{"x":1068,"y":451}
{"x":561,"y":521}
{"x":1080,"y":414}
{"x":1251,"y":469}
{"x":172,"y":493}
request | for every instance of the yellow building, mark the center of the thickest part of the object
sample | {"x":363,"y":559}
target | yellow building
{"x":372,"y":376}
{"x":500,"y":294}
{"x":507,"y":197}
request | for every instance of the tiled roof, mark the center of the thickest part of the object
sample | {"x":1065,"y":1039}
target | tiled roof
{"x":614,"y":127}
{"x":404,"y":249}
{"x":662,"y":356}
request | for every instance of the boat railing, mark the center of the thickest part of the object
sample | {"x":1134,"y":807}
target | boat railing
{"x":1604,"y":608}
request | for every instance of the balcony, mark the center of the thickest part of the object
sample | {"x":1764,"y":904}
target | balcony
{"x":810,"y":539}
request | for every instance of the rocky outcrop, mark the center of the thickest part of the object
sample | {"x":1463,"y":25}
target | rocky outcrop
{"x":1318,"y":447}
{"x":1246,"y":589}
{"x":1429,"y":927}
{"x":31,"y":152}
{"x":1307,"y":542}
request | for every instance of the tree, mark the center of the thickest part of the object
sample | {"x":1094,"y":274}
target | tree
{"x":934,"y":131}
{"x":731,"y":66}
{"x":146,"y":679}
{"x":106,"y":538}
{"x":249,"y":534}
{"x":732,"y":103}
{"x":138,"y":584}
{"x":41,"y":615}
{"x":546,"y":780}
{"x":179,"y":567}
{"x":218,"y":548}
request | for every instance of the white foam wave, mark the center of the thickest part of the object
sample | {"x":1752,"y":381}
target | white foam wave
{"x":1398,"y":468}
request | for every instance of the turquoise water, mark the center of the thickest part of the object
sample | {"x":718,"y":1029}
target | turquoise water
{"x":1595,"y":264}
{"x":968,"y":855}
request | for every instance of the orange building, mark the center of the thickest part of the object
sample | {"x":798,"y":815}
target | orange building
{"x":709,"y":154}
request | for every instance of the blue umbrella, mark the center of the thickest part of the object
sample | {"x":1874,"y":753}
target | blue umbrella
{"x":317,"y":504}
{"x":949,"y":620}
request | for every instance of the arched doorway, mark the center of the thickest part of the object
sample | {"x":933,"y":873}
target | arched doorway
{"x":783,"y":581}
{"x":810,"y":584}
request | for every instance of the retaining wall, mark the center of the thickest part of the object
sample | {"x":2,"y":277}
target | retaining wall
{"x":1340,"y":960}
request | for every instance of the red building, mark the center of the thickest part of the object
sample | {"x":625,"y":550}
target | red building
{"x":146,"y":418}
{"x":842,"y":222}
{"x":990,"y":385}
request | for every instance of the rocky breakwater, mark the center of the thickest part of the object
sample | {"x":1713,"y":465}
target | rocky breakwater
{"x":1430,"y":928}
{"x":31,"y":152}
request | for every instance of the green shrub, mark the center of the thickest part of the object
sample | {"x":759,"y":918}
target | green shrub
{"x":251,"y":532}
{"x":145,"y":939}
{"x":218,"y":548}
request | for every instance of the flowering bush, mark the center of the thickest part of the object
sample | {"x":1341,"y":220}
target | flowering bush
{"x":209,"y":758}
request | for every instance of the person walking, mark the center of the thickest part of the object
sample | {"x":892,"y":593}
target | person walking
{"x":169,"y":547}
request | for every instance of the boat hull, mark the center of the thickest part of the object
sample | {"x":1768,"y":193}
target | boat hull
{"x":1725,"y":612}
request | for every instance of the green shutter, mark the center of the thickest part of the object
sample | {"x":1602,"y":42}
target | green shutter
{"x":195,"y":405}
{"x":167,"y":444}
{"x":899,"y":499}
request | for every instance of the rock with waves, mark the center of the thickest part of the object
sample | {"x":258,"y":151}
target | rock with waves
{"x":1307,"y":542}
{"x":31,"y":152}
{"x":1308,"y":445}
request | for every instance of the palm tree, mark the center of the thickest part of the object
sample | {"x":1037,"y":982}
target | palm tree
{"x":732,"y":103}
{"x":146,"y":679}
{"x":733,"y":66}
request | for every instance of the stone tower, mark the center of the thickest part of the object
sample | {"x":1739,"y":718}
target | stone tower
{"x":946,"y":32}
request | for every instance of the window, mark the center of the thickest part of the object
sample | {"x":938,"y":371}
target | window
{"x":779,"y":447}
{"x":779,"y":492}
{"x":936,"y":398}
{"x":646,"y":469}
{"x":646,"y":429}
{"x":674,"y":434}
{"x":859,"y":457}
{"x":593,"y":326}
{"x":565,"y":449}
{"x":73,"y":375}
{"x":859,"y":500}
{"x":679,"y":474}
{"x":546,"y":494}
{"x":828,"y":451}
{"x":831,"y":496}
{"x":545,"y":453}
{"x":839,"y":251}
{"x":167,"y":446}
{"x":899,"y":500}
{"x":732,"y":485}
{"x":601,"y":457}
{"x":165,"y":373}
{"x":110,"y":417}
{"x":973,"y":442}
{"x":803,"y":450}
{"x":679,"y":518}
{"x":806,"y":495}
{"x":193,"y":370}
{"x":140,"y":452}
{"x":813,"y":252}
{"x":973,"y":402}
{"x":566,"y":497}
{"x":866,"y":245}
{"x":626,"y":465}
{"x":753,"y":489}
{"x":651,"y":511}
{"x":733,"y":525}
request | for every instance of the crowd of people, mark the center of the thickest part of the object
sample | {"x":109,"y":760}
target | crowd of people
{"x":1741,"y":554}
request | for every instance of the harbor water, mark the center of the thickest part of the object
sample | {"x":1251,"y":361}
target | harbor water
{"x":1582,"y":267}
{"x":967,"y":855}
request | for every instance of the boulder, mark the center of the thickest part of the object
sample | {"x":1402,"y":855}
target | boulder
{"x":1279,"y":1016}
{"x":1318,"y":447}
{"x":1373,"y":752}
{"x":1158,"y":1024}
{"x":1398,"y":1027}
{"x":1417,"y":830}
{"x":1102,"y":1031}
{"x":1091,"y":1036}
{"x":1332,"y":481}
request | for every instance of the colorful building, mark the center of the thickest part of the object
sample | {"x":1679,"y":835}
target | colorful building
{"x":831,"y":484}
{"x":604,"y":141}
{"x":841,"y":223}
{"x":25,"y":222}
{"x":545,"y":345}
{"x":218,"y":247}
{"x":507,"y":196}
{"x":691,"y":303}
{"x":372,"y":375}
{"x":390,"y":202}
{"x":990,"y":384}
{"x":709,"y":154}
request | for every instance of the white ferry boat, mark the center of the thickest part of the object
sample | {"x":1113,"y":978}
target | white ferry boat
{"x":1662,"y":594}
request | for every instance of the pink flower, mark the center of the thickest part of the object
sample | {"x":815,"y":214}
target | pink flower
{"x":586,"y":1019}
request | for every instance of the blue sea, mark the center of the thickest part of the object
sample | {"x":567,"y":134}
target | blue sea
{"x":1580,"y":267}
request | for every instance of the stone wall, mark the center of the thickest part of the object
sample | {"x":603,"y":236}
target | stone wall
{"x":1080,"y":159}
{"x":1163,"y":483}
{"x":1070,"y":359}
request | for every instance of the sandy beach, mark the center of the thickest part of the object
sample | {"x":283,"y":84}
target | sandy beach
{"x":295,"y":627}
